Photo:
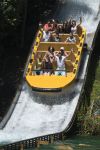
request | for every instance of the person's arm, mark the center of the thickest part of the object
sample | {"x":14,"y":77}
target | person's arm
{"x":44,"y":36}
{"x":56,"y":53}
{"x":80,"y":21}
{"x":72,"y":50}
{"x":43,"y":65}
{"x":55,"y":57}
{"x":67,"y":40}
{"x":74,"y":40}
{"x":65,"y":53}
{"x":52,"y":59}
{"x":44,"y":58}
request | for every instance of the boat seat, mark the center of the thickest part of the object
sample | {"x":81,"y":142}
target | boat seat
{"x":42,"y":53}
{"x":69,"y":66}
{"x":69,"y":61}
{"x":79,"y":30}
{"x":65,"y":36}
{"x":71,"y":57}
{"x":43,"y":46}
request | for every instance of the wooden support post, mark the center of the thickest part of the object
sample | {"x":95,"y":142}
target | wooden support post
{"x":39,"y":142}
{"x":52,"y":139}
{"x":62,"y":136}
{"x":21,"y":147}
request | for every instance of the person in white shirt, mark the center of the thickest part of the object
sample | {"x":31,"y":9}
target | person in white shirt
{"x":74,"y":27}
{"x":46,"y":36}
{"x":71,"y":38}
{"x":60,"y":60}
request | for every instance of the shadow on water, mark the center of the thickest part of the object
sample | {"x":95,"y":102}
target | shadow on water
{"x":56,"y":98}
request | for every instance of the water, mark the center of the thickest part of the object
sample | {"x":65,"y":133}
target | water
{"x":30,"y":118}
{"x":88,"y":10}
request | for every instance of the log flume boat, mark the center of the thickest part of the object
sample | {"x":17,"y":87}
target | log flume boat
{"x":53,"y":81}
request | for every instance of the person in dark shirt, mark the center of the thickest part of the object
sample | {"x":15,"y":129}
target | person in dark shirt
{"x":48,"y":64}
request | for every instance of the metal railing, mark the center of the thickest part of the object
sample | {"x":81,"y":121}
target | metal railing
{"x":50,"y":71}
{"x":33,"y":143}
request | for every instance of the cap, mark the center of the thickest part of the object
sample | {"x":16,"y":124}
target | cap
{"x":53,"y":20}
{"x":51,"y":48}
{"x":61,"y":48}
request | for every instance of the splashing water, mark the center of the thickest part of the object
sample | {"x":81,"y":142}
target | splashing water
{"x":88,"y":10}
{"x":32,"y":118}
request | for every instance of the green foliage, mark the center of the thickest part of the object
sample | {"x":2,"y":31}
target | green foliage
{"x":95,"y":95}
{"x":8,"y":12}
{"x":91,"y":125}
{"x":11,"y":14}
{"x":88,"y":120}
{"x":11,"y":22}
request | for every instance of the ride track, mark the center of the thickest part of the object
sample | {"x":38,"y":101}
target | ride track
{"x":35,"y":114}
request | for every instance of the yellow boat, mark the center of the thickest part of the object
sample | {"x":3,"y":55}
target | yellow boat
{"x":56,"y":82}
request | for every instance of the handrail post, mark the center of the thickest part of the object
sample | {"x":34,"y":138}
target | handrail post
{"x":52,"y":139}
{"x":38,"y":144}
{"x":62,"y":136}
{"x":21,"y":147}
